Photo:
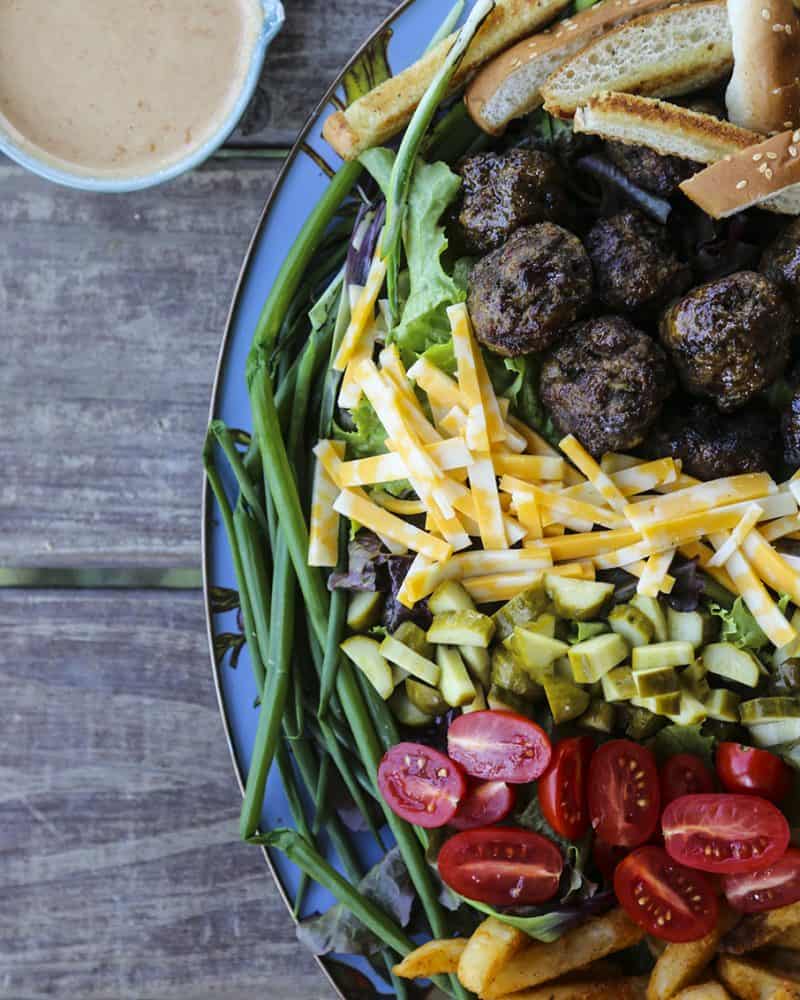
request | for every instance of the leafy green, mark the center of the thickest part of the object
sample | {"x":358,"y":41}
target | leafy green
{"x":518,"y":379}
{"x":545,"y":927}
{"x":740,"y":627}
{"x":443,"y":356}
{"x":683,"y":739}
{"x":378,"y":163}
{"x":367,"y":437}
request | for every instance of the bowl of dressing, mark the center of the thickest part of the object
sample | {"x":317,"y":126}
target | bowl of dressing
{"x":114,"y":95}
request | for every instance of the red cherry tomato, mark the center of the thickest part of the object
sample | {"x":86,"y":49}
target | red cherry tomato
{"x":607,"y":857}
{"x":725,"y":834}
{"x":562,"y":788}
{"x":420,"y":784}
{"x":684,"y":774}
{"x":501,"y":866}
{"x":753,"y":772}
{"x":776,"y":885}
{"x":486,"y":802}
{"x":669,"y":901}
{"x":499,"y":746}
{"x":624,"y":797}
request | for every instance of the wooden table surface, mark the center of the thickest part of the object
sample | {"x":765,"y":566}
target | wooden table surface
{"x":120,"y":871}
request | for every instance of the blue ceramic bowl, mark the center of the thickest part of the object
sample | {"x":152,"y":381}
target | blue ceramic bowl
{"x":44,"y":167}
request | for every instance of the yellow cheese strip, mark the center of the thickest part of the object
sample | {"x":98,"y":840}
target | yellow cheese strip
{"x":329,"y":454}
{"x":477,"y":429}
{"x":536,"y":443}
{"x":564,"y":506}
{"x":423,"y":577}
{"x":696,"y":526}
{"x":462,"y":501}
{"x":454,"y":422}
{"x":449,"y":454}
{"x":418,"y":422}
{"x":683,"y":482}
{"x":555,"y":530}
{"x":640,"y":568}
{"x":477,"y":563}
{"x":382,"y":522}
{"x":529,"y":518}
{"x":503,"y":586}
{"x":646,"y":477}
{"x":651,"y":581}
{"x":488,"y":512}
{"x":771,"y":566}
{"x":755,"y":595}
{"x":405,"y":508}
{"x":613,"y":462}
{"x":323,"y":530}
{"x":782,"y":528}
{"x":623,"y":557}
{"x":362,"y":314}
{"x":703,"y":554}
{"x":585,"y":464}
{"x":531,"y":468}
{"x":590,"y":544}
{"x":749,"y":520}
{"x":705,"y":496}
{"x":464,"y":349}
{"x":495,"y":424}
{"x":350,"y":390}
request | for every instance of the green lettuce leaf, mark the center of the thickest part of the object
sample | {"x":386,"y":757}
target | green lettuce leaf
{"x":683,"y":739}
{"x":740,"y":627}
{"x":367,"y":437}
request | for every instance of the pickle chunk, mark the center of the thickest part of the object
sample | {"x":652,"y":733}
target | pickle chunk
{"x":367,"y":656}
{"x":450,"y":596}
{"x":406,"y":712}
{"x":566,"y":700}
{"x":364,"y":610}
{"x":726,"y":660}
{"x":632,"y":624}
{"x":599,"y":717}
{"x":426,"y":698}
{"x":663,"y":654}
{"x":507,"y":673}
{"x":652,"y":609}
{"x":533,"y":652}
{"x":525,"y":607}
{"x":461,"y":628}
{"x":592,"y":659}
{"x":618,"y":684}
{"x":579,"y":600}
{"x":454,"y":681}
{"x":659,"y":680}
{"x":697,"y":627}
{"x":722,"y":705}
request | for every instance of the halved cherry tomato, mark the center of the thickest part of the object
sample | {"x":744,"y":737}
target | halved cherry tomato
{"x":486,"y":802}
{"x":562,"y":787}
{"x":669,"y":901}
{"x":499,"y":746}
{"x":753,"y":772}
{"x":624,"y":797}
{"x":501,"y":866}
{"x":684,"y":774}
{"x":725,"y":834}
{"x":420,"y":784}
{"x":607,"y":857}
{"x":776,"y":885}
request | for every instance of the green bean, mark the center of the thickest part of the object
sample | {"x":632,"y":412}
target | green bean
{"x":351,"y":784}
{"x":255,"y":583}
{"x":247,"y":489}
{"x":292,"y":793}
{"x":335,"y":630}
{"x":382,"y":718}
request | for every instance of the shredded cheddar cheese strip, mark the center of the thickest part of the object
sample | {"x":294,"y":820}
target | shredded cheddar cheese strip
{"x":479,"y":563}
{"x":749,"y":520}
{"x":529,"y":517}
{"x":646,"y":477}
{"x":705,"y":496}
{"x":362,"y":314}
{"x":323,"y":532}
{"x":503,"y":586}
{"x":589,"y":544}
{"x":651,"y":581}
{"x":441,"y":389}
{"x":782,"y":528}
{"x":531,"y":468}
{"x":449,"y":454}
{"x":614,"y":461}
{"x":465,"y":351}
{"x":382,"y":522}
{"x":771,"y":566}
{"x":627,"y":555}
{"x":696,"y":526}
{"x":423,"y":577}
{"x":585,"y":464}
{"x":495,"y":424}
{"x":488,"y":512}
{"x":563,"y":506}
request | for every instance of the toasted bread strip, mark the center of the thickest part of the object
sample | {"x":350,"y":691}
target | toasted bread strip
{"x":387,"y":109}
{"x":511,"y":85}
{"x":667,"y":128}
{"x":665,"y":53}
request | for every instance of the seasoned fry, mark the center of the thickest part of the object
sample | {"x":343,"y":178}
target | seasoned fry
{"x":433,"y":958}
{"x":489,"y":948}
{"x":682,"y":964}
{"x":751,"y":981}
{"x":760,"y":929}
{"x":539,"y":963}
{"x":788,"y":939}
{"x":709,"y":990}
{"x":624,"y":988}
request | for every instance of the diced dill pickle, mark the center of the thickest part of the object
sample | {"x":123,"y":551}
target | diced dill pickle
{"x":694,"y":679}
{"x":632,"y":624}
{"x":659,"y":680}
{"x":697,"y":627}
{"x":722,"y":705}
{"x":692,"y":711}
{"x":412,"y":662}
{"x":534,"y":652}
{"x":501,"y":700}
{"x":651,"y":607}
{"x":367,"y":656}
{"x":770,"y":734}
{"x":726,"y":660}
{"x":478,"y":703}
{"x":398,"y":674}
{"x":454,"y":681}
{"x":364,"y":610}
{"x":581,"y":631}
{"x":592,"y":659}
{"x":406,"y":712}
{"x":598,"y":716}
{"x":579,"y":600}
{"x":663,"y":654}
{"x":667,"y":704}
{"x":525,"y":607}
{"x":566,"y":700}
{"x":414,"y":637}
{"x":478,"y":663}
{"x":426,"y":698}
{"x":563,"y":668}
{"x":461,"y":628}
{"x":785,"y":677}
{"x":725,"y":732}
{"x":507,"y":673}
{"x":640,"y":723}
{"x":769,"y":710}
{"x":544,"y":625}
{"x":618,"y":684}
{"x":450,"y":596}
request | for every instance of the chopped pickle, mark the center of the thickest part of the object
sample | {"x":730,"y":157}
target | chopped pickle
{"x":478,"y":663}
{"x":454,"y":681}
{"x":406,"y":712}
{"x":364,"y":610}
{"x":592,"y":659}
{"x":413,"y":663}
{"x":581,"y":631}
{"x":426,"y":698}
{"x":697,"y":627}
{"x":639,"y":723}
{"x":722,"y":705}
{"x":785,"y":678}
{"x":663,"y":654}
{"x":544,"y":625}
{"x":450,"y":596}
{"x":414,"y":637}
{"x":668,"y":703}
{"x":501,"y":700}
{"x":525,"y":607}
{"x":566,"y":700}
{"x":579,"y":600}
{"x":618,"y":684}
{"x":723,"y":659}
{"x":478,"y":704}
{"x":599,"y":716}
{"x":694,"y":679}
{"x":725,"y":732}
{"x":534,"y":652}
{"x":461,"y":628}
{"x":367,"y":656}
{"x":563,"y":668}
{"x":652,"y":609}
{"x":769,"y":710}
{"x":507,"y":673}
{"x":632,"y":624}
{"x":659,"y":680}
{"x":770,"y":734}
{"x":692,"y":711}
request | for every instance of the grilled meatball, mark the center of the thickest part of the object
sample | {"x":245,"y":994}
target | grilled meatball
{"x":635,"y":266}
{"x":790,"y":428}
{"x":647,"y":169}
{"x":522,"y":296}
{"x":712,"y":445}
{"x":781,"y":262}
{"x":730,"y":338}
{"x":606,"y":384}
{"x":502,"y":192}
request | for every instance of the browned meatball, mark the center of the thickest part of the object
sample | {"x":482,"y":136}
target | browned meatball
{"x":729,"y":339}
{"x":712,"y":445}
{"x":790,"y":427}
{"x":781,"y":262}
{"x":635,"y":266}
{"x":502,"y":192}
{"x":647,"y":169}
{"x":522,"y":296}
{"x":606,"y":384}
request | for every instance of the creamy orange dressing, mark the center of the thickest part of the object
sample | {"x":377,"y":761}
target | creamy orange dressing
{"x":121,"y":86}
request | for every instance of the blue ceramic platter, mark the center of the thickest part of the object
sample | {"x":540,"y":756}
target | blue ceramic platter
{"x":300,"y":185}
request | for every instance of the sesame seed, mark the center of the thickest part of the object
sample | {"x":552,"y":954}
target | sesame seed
{"x":777,"y":27}
{"x":757,"y":157}
{"x":793,"y":151}
{"x":788,"y":124}
{"x":741,"y":185}
{"x":765,"y":13}
{"x":772,"y":156}
{"x":788,"y":29}
{"x":763,"y":168}
{"x":768,"y":174}
{"x":796,"y":136}
{"x":727,"y":158}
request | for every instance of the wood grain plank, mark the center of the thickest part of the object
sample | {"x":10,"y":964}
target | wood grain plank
{"x":121,"y":874}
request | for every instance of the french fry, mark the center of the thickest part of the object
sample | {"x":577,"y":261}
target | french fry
{"x":619,"y":988}
{"x":704,"y":991}
{"x":490,"y":947}
{"x":433,"y":958}
{"x":752,"y":981}
{"x":682,"y":964}
{"x":788,"y":939}
{"x":539,"y":963}
{"x":760,"y":929}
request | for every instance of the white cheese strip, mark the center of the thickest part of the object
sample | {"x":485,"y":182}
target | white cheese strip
{"x":495,"y":424}
{"x":323,"y":530}
{"x":497,"y":587}
{"x":749,"y":520}
{"x":773,"y":567}
{"x":530,"y":468}
{"x":613,"y":462}
{"x":561,"y":506}
{"x":449,"y":454}
{"x":468,"y":381}
{"x":488,"y":512}
{"x":362,"y":314}
{"x":652,"y":579}
{"x":697,"y":526}
{"x":781,"y":528}
{"x":383,"y":523}
{"x":585,"y":464}
{"x":705,"y":496}
{"x":479,"y":563}
{"x":423,"y":577}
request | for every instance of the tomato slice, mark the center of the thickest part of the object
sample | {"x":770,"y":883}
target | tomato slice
{"x":753,"y":772}
{"x":501,"y":866}
{"x":562,"y":788}
{"x":684,"y":774}
{"x":420,"y":784}
{"x":499,"y":746}
{"x":726,"y":834}
{"x":776,"y":885}
{"x":486,"y":802}
{"x":669,"y":901}
{"x":624,"y":797}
